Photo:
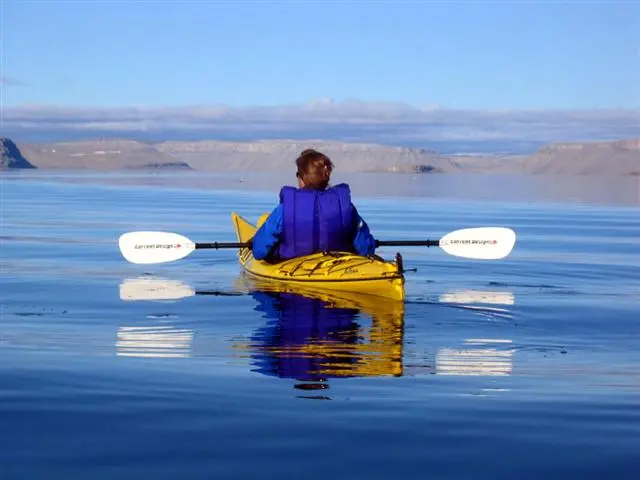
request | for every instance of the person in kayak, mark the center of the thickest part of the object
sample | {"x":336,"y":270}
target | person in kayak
{"x":313,"y":217}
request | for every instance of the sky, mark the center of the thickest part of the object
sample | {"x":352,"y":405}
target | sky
{"x":243,"y":57}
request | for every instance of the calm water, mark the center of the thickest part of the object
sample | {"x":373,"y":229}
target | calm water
{"x":520,"y":368}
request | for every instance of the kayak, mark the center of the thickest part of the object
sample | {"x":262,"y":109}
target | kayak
{"x":338,"y":271}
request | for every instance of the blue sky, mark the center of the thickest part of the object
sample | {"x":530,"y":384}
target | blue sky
{"x":410,"y":73}
{"x":451,"y":54}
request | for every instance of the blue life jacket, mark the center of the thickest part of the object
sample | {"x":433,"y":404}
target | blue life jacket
{"x":316,"y":221}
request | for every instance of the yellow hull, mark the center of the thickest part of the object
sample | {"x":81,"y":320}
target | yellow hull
{"x":338,"y":271}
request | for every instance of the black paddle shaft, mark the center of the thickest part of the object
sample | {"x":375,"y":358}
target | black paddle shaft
{"x":379,"y":243}
{"x":217,"y":245}
{"x":407,"y":243}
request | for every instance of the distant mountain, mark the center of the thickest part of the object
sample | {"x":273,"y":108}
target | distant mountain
{"x":100,"y":154}
{"x":11,"y":156}
{"x":585,"y":158}
{"x":265,"y":155}
{"x":592,"y":158}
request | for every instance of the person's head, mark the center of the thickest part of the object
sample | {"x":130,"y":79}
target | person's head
{"x":314,"y":170}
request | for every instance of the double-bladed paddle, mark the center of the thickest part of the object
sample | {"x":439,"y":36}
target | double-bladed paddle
{"x":482,"y":243}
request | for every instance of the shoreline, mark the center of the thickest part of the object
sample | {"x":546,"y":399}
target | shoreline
{"x":602,"y":159}
{"x":465,"y":187}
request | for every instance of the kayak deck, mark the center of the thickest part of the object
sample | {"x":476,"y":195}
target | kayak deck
{"x":341,"y":271}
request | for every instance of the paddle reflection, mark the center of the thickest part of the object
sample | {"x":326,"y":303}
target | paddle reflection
{"x":315,"y":336}
{"x":478,"y":357}
{"x":157,"y":341}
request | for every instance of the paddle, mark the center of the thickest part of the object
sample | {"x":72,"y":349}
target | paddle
{"x":483,"y":243}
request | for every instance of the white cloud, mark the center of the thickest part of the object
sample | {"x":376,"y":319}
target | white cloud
{"x":352,"y":120}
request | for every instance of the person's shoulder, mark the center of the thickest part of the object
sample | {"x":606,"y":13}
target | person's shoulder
{"x":342,"y":189}
{"x":341,"y":186}
{"x":286,"y":190}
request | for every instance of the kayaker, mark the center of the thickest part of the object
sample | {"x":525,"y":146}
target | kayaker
{"x":313,"y":217}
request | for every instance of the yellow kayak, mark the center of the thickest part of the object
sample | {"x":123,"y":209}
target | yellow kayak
{"x":340,"y":271}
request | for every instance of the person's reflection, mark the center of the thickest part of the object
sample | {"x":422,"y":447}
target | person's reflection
{"x":314,"y":339}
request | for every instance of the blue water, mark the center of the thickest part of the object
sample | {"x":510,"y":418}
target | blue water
{"x":525,"y":367}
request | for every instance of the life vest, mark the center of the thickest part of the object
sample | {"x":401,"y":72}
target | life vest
{"x":316,"y":221}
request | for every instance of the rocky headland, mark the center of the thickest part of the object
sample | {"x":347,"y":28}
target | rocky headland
{"x":11,"y":156}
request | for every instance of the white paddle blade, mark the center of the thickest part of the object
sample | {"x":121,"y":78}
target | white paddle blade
{"x":154,"y":289}
{"x":154,"y":247}
{"x":484,"y":243}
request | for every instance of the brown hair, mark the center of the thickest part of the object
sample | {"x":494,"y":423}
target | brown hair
{"x":314,"y":168}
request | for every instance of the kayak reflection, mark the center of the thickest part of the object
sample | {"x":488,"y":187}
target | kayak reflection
{"x":312,"y":336}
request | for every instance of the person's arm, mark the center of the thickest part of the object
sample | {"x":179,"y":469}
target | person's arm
{"x":268,"y":235}
{"x":364,"y":243}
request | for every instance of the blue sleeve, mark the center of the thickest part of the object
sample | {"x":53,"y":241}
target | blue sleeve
{"x":363,"y":242}
{"x":268,"y":235}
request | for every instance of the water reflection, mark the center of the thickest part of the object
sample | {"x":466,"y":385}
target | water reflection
{"x":615,"y":190}
{"x":313,"y":336}
{"x":316,"y":336}
{"x":159,"y":341}
{"x":150,"y":288}
{"x":479,"y":357}
{"x":467,"y":297}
